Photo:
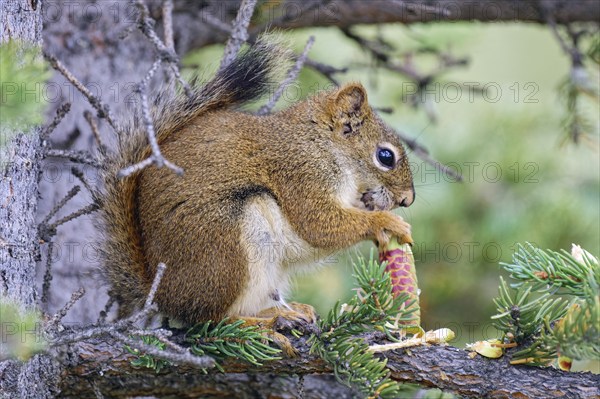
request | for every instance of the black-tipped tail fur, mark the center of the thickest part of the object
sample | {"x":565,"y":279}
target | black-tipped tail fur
{"x":251,"y":75}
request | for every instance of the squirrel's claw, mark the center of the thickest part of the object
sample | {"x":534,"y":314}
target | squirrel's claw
{"x":296,"y":316}
{"x":390,"y":225}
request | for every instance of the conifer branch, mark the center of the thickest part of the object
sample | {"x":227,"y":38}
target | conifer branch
{"x":373,"y":309}
{"x":552,"y":310}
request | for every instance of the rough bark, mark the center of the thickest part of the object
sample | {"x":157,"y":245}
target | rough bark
{"x":105,"y":364}
{"x":21,"y":19}
{"x":20,"y":167}
{"x":18,"y":229}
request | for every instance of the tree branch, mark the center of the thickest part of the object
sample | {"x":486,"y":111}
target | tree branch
{"x":352,"y":12}
{"x":346,"y":13}
{"x":444,"y":367}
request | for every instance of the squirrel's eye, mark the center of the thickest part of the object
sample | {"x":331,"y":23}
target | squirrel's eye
{"x":386,"y":157}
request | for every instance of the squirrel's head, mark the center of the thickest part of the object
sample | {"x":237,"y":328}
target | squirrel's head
{"x":369,"y":153}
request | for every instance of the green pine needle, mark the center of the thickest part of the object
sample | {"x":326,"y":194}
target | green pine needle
{"x":553,"y":308}
{"x":227,"y":339}
{"x":145,"y":360}
{"x":371,"y":309}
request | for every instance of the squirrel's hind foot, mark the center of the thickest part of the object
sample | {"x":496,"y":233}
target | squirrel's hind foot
{"x":296,"y":316}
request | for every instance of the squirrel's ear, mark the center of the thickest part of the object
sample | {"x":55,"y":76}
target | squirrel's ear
{"x":348,"y":107}
{"x":351,"y":99}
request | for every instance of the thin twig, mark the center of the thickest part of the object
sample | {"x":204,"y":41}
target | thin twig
{"x":571,"y":50}
{"x":158,"y":333}
{"x":47,"y":274}
{"x":163,"y":336}
{"x":60,"y":114}
{"x":143,"y":86}
{"x":76,"y":334}
{"x":48,"y":230}
{"x":86,"y":210}
{"x":146,"y":25}
{"x":383,"y":57}
{"x":79,"y":175}
{"x":175,"y":357}
{"x":239,"y":32}
{"x":291,"y":77}
{"x":63,"y":312}
{"x":440,"y":336}
{"x":167,"y":14}
{"x":167,"y":18}
{"x":406,"y":69}
{"x":160,"y":271}
{"x":156,"y":157}
{"x":74,"y":156}
{"x":80,"y":334}
{"x":579,"y":81}
{"x":72,"y":192}
{"x":95,"y":131}
{"x":102,"y":109}
{"x":176,"y":353}
{"x":90,"y":331}
{"x":135,"y":167}
{"x":380,"y":50}
{"x":165,"y":53}
{"x":123,"y":328}
{"x":171,"y":344}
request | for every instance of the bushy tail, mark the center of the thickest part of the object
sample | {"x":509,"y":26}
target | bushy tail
{"x":248,"y":77}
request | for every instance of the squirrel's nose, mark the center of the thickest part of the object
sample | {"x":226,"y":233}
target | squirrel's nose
{"x":408,"y":198}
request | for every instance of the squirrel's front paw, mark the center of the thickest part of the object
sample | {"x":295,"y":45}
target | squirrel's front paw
{"x":387,"y":225}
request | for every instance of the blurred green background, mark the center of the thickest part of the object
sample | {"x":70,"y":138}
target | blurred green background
{"x":522,"y":181}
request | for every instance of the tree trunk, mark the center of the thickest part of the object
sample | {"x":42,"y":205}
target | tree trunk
{"x":21,"y":20}
{"x":19,"y":246}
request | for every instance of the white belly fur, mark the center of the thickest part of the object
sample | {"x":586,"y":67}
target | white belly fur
{"x":274,"y":253}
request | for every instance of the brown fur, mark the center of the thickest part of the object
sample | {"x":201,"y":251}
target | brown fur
{"x":305,"y":158}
